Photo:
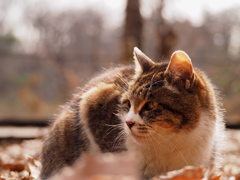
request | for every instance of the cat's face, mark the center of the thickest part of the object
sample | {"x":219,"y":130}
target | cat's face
{"x":163,"y":99}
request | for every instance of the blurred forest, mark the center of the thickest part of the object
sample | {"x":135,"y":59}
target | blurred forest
{"x":61,"y":50}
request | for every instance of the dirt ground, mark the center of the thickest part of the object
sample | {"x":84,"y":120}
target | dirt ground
{"x":19,"y":159}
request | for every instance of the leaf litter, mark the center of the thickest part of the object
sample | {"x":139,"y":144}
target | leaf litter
{"x":20,"y":160}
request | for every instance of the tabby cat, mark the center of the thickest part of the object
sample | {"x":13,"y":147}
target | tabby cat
{"x":165,"y":113}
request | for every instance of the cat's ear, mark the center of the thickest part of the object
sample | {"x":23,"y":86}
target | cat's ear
{"x":180,"y":68}
{"x":142,"y":62}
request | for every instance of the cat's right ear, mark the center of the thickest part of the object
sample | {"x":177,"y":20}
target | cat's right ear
{"x":180,"y":69}
{"x":142,"y":62}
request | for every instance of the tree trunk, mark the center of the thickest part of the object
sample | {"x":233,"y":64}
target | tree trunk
{"x":166,"y":36}
{"x":132,"y":34}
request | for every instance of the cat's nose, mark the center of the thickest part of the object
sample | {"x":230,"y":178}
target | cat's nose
{"x":130,"y":124}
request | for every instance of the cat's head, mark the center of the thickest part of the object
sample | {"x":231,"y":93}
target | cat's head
{"x":163,"y":97}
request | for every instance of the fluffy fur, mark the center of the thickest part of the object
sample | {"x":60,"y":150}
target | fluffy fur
{"x":165,"y":113}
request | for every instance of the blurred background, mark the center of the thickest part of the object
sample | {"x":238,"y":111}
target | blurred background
{"x":48,"y":48}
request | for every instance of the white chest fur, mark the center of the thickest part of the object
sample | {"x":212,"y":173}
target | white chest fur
{"x":169,"y":151}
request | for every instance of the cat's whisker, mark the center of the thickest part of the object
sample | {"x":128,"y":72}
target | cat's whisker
{"x":109,"y":131}
{"x":165,"y":129}
{"x":119,"y":138}
{"x":150,"y":129}
{"x":114,"y":125}
{"x":155,"y":149}
{"x":171,"y":144}
{"x":112,"y":128}
{"x":170,"y":135}
{"x":151,"y":84}
{"x":178,"y":151}
{"x":150,"y":87}
{"x":146,"y":138}
{"x":124,"y":82}
{"x":156,"y":82}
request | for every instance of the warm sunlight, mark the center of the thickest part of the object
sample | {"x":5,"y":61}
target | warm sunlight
{"x":156,"y":81}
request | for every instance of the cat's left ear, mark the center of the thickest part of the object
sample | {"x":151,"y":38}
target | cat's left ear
{"x":180,"y":68}
{"x":142,"y":62}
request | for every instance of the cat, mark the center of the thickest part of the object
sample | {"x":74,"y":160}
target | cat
{"x":166,"y":113}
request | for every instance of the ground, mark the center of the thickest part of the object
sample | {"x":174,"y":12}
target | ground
{"x":19,"y":159}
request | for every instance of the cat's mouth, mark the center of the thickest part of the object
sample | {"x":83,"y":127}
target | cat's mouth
{"x":139,"y":134}
{"x":139,"y":131}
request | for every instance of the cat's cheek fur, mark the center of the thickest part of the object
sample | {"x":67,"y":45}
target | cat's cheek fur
{"x":163,"y":124}
{"x":170,"y":151}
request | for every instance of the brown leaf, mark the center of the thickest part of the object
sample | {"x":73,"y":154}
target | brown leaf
{"x":237,"y":177}
{"x":33,"y":167}
{"x":216,"y":178}
{"x":190,"y":174}
{"x":187,"y":173}
{"x":14,"y":167}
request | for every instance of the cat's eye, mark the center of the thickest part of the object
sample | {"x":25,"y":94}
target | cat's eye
{"x":151,"y":105}
{"x":126,"y":104}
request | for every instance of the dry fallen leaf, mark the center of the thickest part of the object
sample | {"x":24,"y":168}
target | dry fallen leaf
{"x":16,"y":162}
{"x":14,"y":167}
{"x":187,"y":173}
{"x":33,"y":167}
{"x":237,"y":177}
{"x":216,"y":178}
{"x":15,"y":154}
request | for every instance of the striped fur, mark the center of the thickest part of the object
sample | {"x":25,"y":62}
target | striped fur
{"x":166,"y":113}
